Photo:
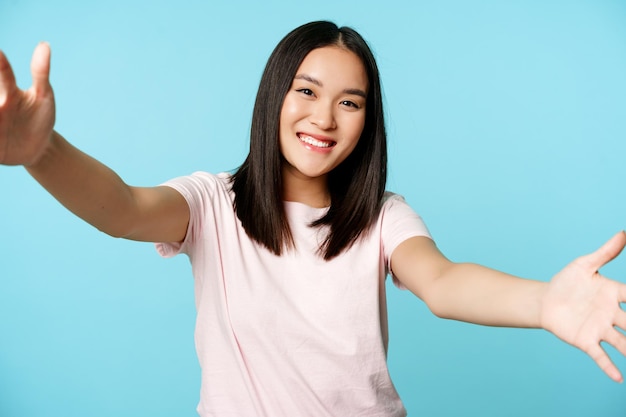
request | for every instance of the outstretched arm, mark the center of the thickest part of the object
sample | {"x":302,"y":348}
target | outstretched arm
{"x":579,"y":305}
{"x":82,"y":184}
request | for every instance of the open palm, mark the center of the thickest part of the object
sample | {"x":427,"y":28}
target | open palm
{"x":26,"y":116}
{"x":583,"y":308}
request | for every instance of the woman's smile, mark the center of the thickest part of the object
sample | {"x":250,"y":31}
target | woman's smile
{"x":316,"y":143}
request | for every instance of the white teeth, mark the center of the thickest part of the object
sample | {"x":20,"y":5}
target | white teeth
{"x":314,"y":142}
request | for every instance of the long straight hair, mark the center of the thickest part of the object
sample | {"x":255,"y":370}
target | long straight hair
{"x":356,"y":186}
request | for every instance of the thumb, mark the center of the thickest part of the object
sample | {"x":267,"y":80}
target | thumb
{"x":40,"y":67}
{"x":606,"y":252}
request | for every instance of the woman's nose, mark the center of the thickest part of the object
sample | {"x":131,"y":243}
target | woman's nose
{"x":323,"y":116}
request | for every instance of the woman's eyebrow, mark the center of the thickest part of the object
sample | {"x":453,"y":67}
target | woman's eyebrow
{"x":354,"y":91}
{"x":309,"y":79}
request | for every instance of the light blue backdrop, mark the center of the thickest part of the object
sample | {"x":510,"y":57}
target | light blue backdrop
{"x":507,"y":127}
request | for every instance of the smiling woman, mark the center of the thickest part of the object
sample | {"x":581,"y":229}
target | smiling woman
{"x":321,"y":122}
{"x":360,"y":156}
{"x":290,"y":254}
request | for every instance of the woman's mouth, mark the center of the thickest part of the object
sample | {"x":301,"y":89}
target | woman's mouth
{"x":317,"y":143}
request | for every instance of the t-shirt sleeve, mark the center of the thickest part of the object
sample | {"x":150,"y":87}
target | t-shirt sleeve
{"x":197,"y":189}
{"x":399,"y":223}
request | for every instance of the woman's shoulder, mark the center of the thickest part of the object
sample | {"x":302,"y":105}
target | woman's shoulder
{"x":203,"y":186}
{"x":223,"y":177}
{"x":203,"y":179}
{"x":389,"y":198}
{"x":399,"y":221}
{"x":395,"y":206}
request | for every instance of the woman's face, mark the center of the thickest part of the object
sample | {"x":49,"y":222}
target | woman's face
{"x":323,"y":113}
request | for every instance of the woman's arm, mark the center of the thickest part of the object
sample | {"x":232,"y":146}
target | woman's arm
{"x":83,"y":185}
{"x":465,"y":291}
{"x":579,"y":305}
{"x":98,"y":195}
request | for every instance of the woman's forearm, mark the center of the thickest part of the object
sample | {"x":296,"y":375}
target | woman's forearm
{"x":85,"y":186}
{"x":477,"y":294}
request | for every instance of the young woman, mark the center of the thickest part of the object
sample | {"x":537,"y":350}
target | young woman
{"x":290,"y":252}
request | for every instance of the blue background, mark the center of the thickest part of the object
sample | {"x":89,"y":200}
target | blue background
{"x":506,"y":124}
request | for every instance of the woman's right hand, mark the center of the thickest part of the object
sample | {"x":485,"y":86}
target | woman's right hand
{"x":26,"y":116}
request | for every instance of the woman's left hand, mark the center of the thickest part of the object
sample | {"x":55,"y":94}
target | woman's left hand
{"x":582,"y":307}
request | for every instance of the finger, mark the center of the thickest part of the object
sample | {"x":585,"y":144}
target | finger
{"x":604,"y":362}
{"x":606,"y":252}
{"x":617,"y":340}
{"x":620,"y":319}
{"x":7,"y":78}
{"x":40,"y":67}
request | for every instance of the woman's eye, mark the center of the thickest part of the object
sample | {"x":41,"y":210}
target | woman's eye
{"x":305,"y":91}
{"x":350,"y":104}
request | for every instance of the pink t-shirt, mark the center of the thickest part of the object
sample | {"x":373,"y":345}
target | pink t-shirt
{"x":289,"y":335}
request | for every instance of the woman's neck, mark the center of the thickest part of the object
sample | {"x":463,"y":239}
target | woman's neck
{"x":306,"y":190}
